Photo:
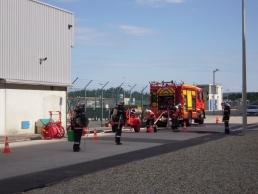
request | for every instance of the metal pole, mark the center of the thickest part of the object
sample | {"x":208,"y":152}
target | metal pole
{"x":213,"y":96}
{"x":142,"y":97}
{"x":130,"y":94}
{"x":102,"y":102}
{"x":85,"y":95}
{"x":244,"y":70}
{"x":118,"y":91}
{"x":75,"y":80}
{"x":95,"y":105}
{"x":67,"y":101}
{"x":74,"y":91}
{"x":74,"y":96}
{"x":124,"y":89}
{"x":213,"y":93}
{"x":227,"y":94}
{"x":101,"y":106}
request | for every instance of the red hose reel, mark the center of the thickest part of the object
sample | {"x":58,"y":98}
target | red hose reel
{"x":53,"y":129}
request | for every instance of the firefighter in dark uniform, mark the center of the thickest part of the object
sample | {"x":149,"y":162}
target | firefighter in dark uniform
{"x":174,"y":116}
{"x":150,"y":120}
{"x":118,"y":116}
{"x":79,"y":122}
{"x":226,"y":116}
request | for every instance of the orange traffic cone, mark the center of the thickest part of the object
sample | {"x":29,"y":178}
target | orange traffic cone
{"x":6,"y":147}
{"x":95,"y":135}
{"x":217,"y":120}
{"x":184,"y":126}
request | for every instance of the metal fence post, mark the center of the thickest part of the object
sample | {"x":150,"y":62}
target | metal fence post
{"x":85,"y":101}
{"x":142,"y":97}
{"x":102,"y":102}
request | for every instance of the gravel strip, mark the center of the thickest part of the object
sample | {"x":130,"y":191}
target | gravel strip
{"x":227,"y":165}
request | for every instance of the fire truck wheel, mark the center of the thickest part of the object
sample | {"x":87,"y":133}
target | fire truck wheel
{"x":113,"y":128}
{"x":189,"y":120}
{"x":201,"y":117}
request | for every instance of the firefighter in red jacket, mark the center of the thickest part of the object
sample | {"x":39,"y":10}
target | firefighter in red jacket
{"x":174,"y":115}
{"x":150,"y":120}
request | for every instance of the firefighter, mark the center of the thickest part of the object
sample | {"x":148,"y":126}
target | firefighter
{"x":118,"y":115}
{"x":150,"y":120}
{"x":226,"y":116}
{"x":79,"y":122}
{"x":174,"y":115}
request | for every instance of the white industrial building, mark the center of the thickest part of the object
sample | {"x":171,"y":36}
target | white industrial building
{"x":35,"y":63}
{"x":215,"y":96}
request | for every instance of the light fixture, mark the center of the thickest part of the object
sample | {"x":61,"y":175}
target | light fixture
{"x":42,"y":59}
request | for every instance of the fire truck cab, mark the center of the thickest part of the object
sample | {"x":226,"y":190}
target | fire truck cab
{"x":165,"y":95}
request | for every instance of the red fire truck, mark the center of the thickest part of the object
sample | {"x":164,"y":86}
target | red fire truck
{"x":165,"y":95}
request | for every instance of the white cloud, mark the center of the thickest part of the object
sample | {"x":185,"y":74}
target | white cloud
{"x":135,"y":30}
{"x":80,"y":20}
{"x":90,"y":36}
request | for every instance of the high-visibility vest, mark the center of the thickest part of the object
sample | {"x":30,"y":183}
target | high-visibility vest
{"x":175,"y":113}
{"x":151,"y":115}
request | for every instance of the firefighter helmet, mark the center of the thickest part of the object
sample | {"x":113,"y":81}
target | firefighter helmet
{"x":225,"y":104}
{"x":178,"y":105}
{"x":121,"y":103}
{"x":80,"y":105}
{"x":147,"y":111}
{"x":133,"y":111}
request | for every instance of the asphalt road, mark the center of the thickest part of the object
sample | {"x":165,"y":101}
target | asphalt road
{"x":34,"y":164}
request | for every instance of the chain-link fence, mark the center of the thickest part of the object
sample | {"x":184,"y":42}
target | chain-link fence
{"x":100,"y":103}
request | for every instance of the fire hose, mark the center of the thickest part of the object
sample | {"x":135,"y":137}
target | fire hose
{"x":159,"y":117}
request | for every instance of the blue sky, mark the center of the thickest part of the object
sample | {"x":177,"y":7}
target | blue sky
{"x":137,"y":41}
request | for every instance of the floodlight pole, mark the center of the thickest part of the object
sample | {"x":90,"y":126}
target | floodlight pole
{"x":244,"y":70}
{"x":213,"y":96}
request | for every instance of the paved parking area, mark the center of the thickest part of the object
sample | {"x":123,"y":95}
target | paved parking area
{"x":33,"y":164}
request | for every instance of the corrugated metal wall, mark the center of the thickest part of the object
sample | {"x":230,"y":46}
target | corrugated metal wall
{"x":30,"y":30}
